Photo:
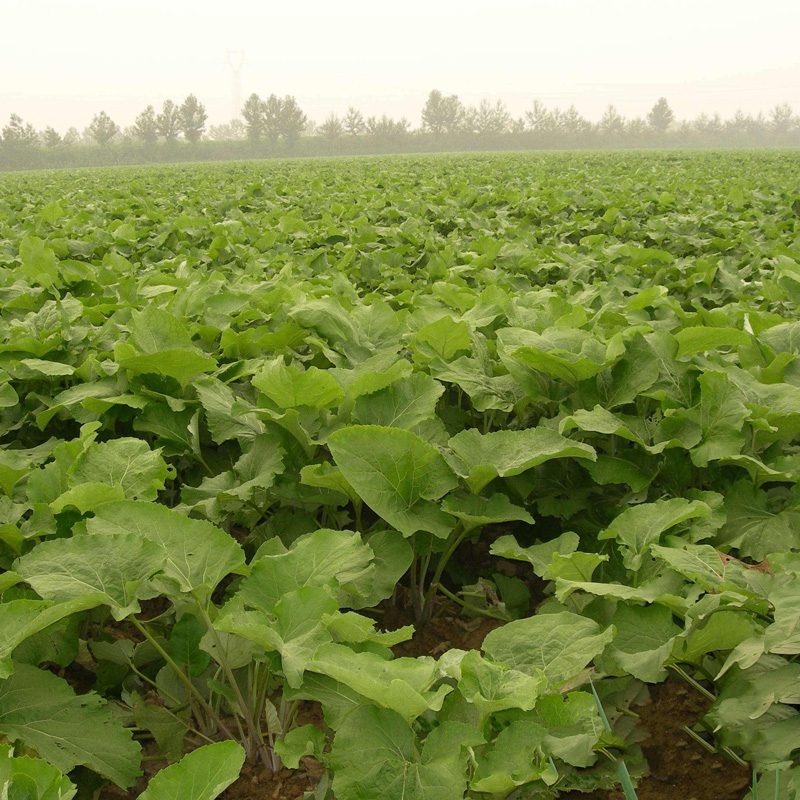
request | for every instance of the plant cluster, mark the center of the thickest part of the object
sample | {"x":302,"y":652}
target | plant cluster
{"x":246,"y":411}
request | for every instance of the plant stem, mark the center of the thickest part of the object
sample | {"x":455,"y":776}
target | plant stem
{"x":415,"y":593}
{"x":193,"y":690}
{"x":700,"y":740}
{"x":455,"y":539}
{"x":253,"y":730}
{"x":357,"y":512}
{"x":692,"y":682}
{"x":468,"y":606}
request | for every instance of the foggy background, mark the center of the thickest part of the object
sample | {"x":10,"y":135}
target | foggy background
{"x":61,"y":62}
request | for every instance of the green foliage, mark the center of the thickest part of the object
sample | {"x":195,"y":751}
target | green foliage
{"x":243,"y":431}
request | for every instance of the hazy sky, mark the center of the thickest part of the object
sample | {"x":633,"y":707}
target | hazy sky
{"x":63,"y":60}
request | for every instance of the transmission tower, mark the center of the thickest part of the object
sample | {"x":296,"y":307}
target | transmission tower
{"x":236,"y":60}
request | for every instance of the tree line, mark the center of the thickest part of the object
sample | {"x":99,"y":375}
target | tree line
{"x":274,"y":123}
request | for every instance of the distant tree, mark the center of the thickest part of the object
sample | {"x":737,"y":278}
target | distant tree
{"x":387,"y":128}
{"x":168,"y":121}
{"x":238,"y":130}
{"x":102,"y":129}
{"x":701,"y":123}
{"x":782,"y":118}
{"x":441,"y":114}
{"x":72,"y":137}
{"x":739,"y":124}
{"x":51,"y":137}
{"x":401,"y":128}
{"x":19,"y":134}
{"x":539,"y":119}
{"x":332,"y":128}
{"x":310,"y":128}
{"x":145,"y":128}
{"x":661,"y":116}
{"x":573,"y":124}
{"x":469,"y":120}
{"x":612,"y":123}
{"x":291,"y":120}
{"x":353,"y":122}
{"x":493,"y":119}
{"x":636,"y":127}
{"x":233,"y":131}
{"x":272,"y":109}
{"x":192,"y":119}
{"x":517,"y":125}
{"x":254,"y":119}
{"x":715,"y":124}
{"x":758,"y":125}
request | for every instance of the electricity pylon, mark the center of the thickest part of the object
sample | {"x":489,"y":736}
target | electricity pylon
{"x":236,"y":60}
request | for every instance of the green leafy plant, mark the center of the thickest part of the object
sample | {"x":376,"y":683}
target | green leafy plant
{"x":247,"y":436}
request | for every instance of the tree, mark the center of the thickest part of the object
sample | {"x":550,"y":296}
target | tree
{"x":469,"y":120}
{"x":573,"y":124}
{"x":715,"y":124}
{"x":253,"y":112}
{"x":612,"y":122}
{"x":782,"y":118}
{"x":72,"y":137}
{"x":739,"y":123}
{"x":353,"y":122}
{"x":51,"y":137}
{"x":192,"y":118}
{"x":145,"y":127}
{"x":441,"y":114}
{"x":291,"y":119}
{"x":19,"y":134}
{"x":167,"y":122}
{"x":661,"y":116}
{"x":635,"y":127}
{"x":702,"y":123}
{"x":103,"y":129}
{"x":272,"y":116}
{"x":493,"y":119}
{"x":332,"y":127}
{"x":233,"y":131}
{"x":540,"y":120}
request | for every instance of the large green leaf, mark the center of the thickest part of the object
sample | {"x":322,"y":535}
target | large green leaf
{"x":516,"y":757}
{"x":324,"y":558}
{"x":64,"y":728}
{"x":397,"y":474}
{"x":404,"y":404}
{"x":560,"y":645}
{"x":109,"y":567}
{"x":32,"y":779}
{"x":640,"y":526}
{"x":643,"y":641}
{"x":128,"y":463}
{"x":289,"y":387}
{"x":494,"y":687}
{"x":21,"y":619}
{"x":401,"y":684}
{"x":376,"y":754}
{"x":203,"y":774}
{"x":480,"y":458}
{"x":195,"y":553}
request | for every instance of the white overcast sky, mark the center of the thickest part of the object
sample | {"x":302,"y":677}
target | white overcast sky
{"x":63,"y":60}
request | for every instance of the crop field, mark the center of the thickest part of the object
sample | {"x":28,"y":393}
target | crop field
{"x":402,"y":478}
